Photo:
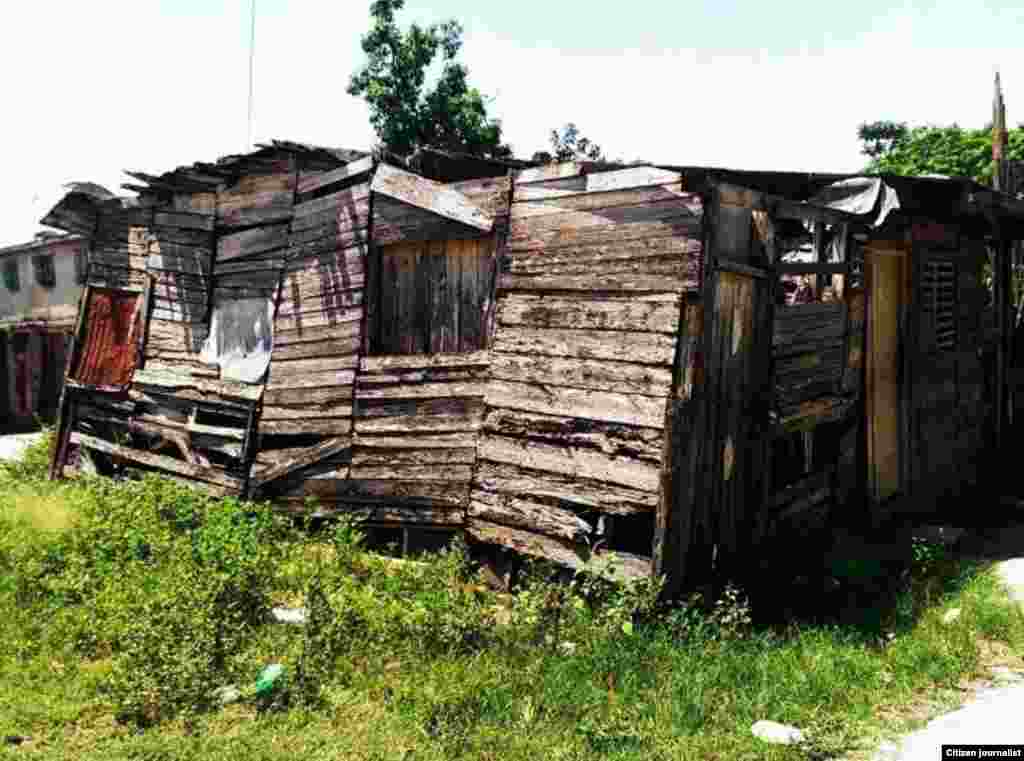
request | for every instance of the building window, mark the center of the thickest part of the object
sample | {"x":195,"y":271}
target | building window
{"x":11,"y":280}
{"x":938,"y":303}
{"x":434,"y":296}
{"x":43,"y":266}
{"x":81,"y":266}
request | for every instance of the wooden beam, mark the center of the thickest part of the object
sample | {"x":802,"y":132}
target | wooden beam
{"x":430,"y":196}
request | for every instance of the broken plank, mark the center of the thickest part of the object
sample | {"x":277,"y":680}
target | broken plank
{"x":307,"y":457}
{"x":528,"y":514}
{"x":430,"y":196}
{"x":614,"y":439}
{"x":619,"y":565}
{"x":162,"y":462}
{"x":305,"y":411}
{"x":344,"y":200}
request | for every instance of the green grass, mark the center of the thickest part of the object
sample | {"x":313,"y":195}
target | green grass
{"x":123,"y":606}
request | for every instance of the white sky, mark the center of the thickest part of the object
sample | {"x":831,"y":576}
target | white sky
{"x":92,"y":88}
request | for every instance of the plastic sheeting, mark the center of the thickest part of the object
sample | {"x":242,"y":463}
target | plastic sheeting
{"x":241,"y":339}
{"x":868,"y":197}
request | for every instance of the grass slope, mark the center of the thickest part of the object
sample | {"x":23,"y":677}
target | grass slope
{"x":124,"y":605}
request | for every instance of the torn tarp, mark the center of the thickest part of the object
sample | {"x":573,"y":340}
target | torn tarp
{"x":241,"y":338}
{"x":868,"y":197}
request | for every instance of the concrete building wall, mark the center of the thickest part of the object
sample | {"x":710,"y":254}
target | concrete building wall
{"x":32,"y":300}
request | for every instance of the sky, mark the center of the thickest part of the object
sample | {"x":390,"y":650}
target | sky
{"x":91,"y":89}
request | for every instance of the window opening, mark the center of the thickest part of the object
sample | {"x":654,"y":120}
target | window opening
{"x":12,"y":281}
{"x":45,"y":274}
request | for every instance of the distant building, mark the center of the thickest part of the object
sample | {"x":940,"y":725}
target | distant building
{"x":40,"y":283}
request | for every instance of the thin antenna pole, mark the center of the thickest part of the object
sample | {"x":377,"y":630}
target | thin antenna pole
{"x":252,"y":56}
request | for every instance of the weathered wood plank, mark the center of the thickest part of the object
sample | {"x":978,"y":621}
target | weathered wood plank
{"x":651,"y":314}
{"x":328,"y":427}
{"x":319,"y":395}
{"x":620,"y":565}
{"x":286,"y":370}
{"x":528,"y":514}
{"x":600,"y":375}
{"x":679,"y":277}
{"x":404,"y":472}
{"x":250,"y":242}
{"x":448,"y":441}
{"x":573,"y":462}
{"x":548,"y":172}
{"x":597,"y":202}
{"x":625,"y":346}
{"x":433,"y":456}
{"x":421,"y":391}
{"x":310,"y":181}
{"x":387,"y":492}
{"x":420,"y":416}
{"x":613,"y":439}
{"x":223,"y":388}
{"x":430,"y":196}
{"x":305,"y":411}
{"x":347,"y":329}
{"x":212,"y":475}
{"x":531,"y":260}
{"x":633,"y":409}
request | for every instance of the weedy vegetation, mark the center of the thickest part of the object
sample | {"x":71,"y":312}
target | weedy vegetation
{"x":126,"y":605}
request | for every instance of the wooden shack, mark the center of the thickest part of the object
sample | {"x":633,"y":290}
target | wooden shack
{"x":570,"y":361}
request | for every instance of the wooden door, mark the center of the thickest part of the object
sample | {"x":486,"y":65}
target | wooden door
{"x":887,"y":286}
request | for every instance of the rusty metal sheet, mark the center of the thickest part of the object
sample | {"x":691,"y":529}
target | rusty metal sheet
{"x":109,"y":346}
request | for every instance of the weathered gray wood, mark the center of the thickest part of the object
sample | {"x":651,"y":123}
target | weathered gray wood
{"x":620,"y":565}
{"x":429,"y":196}
{"x":319,"y":395}
{"x":430,"y":456}
{"x":227,"y":389}
{"x":528,"y":514}
{"x":412,"y":423}
{"x":327,"y":427}
{"x":549,"y":172}
{"x":404,"y":472}
{"x":299,"y":412}
{"x":612,"y":439}
{"x":342,"y":203}
{"x":600,"y":375}
{"x":250,"y":242}
{"x":577,"y":259}
{"x":658,"y":313}
{"x":574,"y":462}
{"x":212,"y":475}
{"x":678,"y":276}
{"x":626,"y":346}
{"x":421,"y":391}
{"x":447,"y":441}
{"x":282,"y":371}
{"x":608,"y":406}
{"x":310,"y":181}
{"x":400,"y":363}
{"x":310,"y":380}
{"x":597,"y":202}
{"x":328,"y":333}
{"x":388,"y":492}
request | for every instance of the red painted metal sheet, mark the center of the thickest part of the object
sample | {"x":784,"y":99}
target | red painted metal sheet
{"x":109,"y":349}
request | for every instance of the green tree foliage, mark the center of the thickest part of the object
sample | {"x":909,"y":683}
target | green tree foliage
{"x":404,"y":112}
{"x":895,"y":148}
{"x":569,"y":144}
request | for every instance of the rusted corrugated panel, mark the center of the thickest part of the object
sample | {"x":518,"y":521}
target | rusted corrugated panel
{"x":108,"y":353}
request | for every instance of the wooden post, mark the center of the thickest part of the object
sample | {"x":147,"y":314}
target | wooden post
{"x":1002,"y":269}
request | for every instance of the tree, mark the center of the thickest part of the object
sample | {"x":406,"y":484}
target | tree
{"x":896,"y":149}
{"x":569,"y":145}
{"x":406,"y":114}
